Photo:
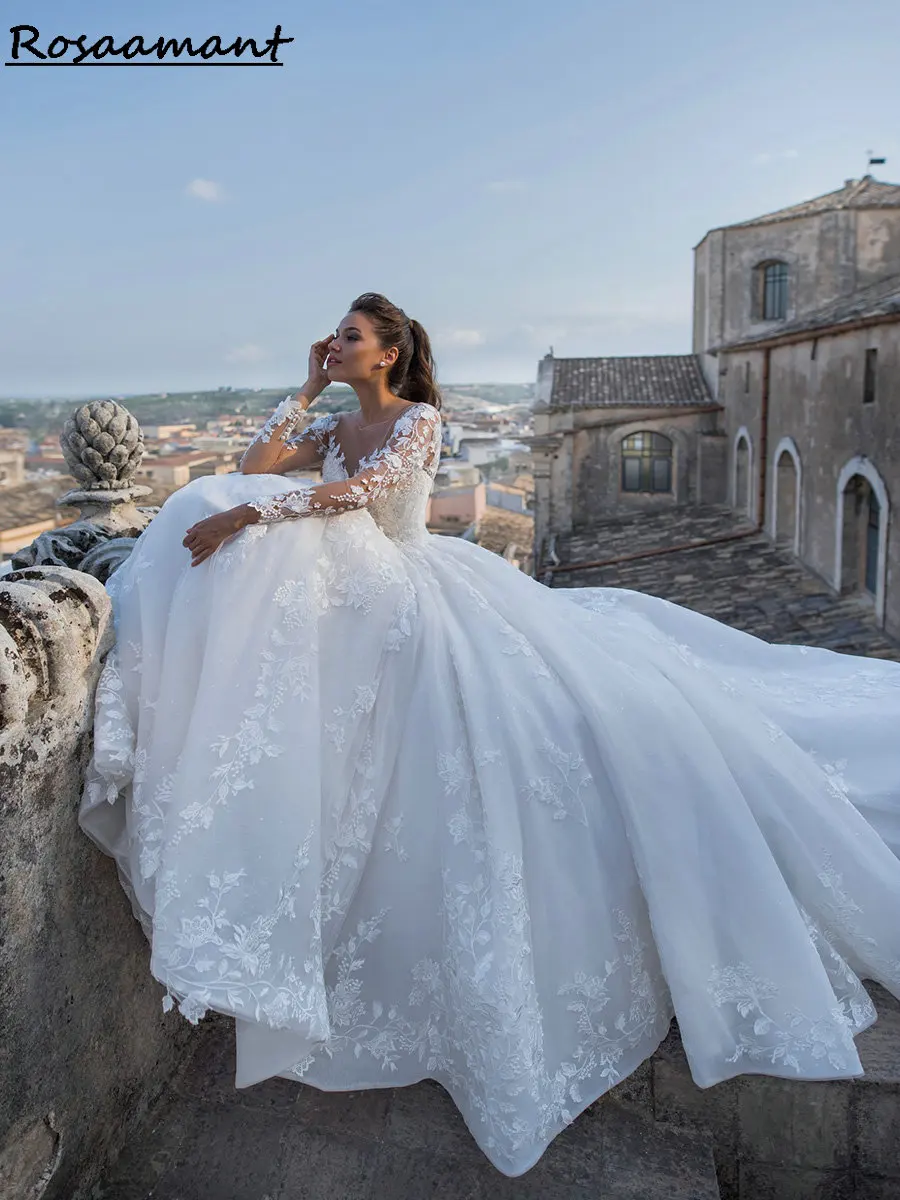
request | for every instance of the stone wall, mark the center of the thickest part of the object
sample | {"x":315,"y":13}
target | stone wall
{"x":84,"y":1045}
{"x":829,"y":254}
{"x":817,"y":416}
{"x":578,"y":466}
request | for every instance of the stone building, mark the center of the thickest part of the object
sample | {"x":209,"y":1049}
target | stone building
{"x":615,"y":435}
{"x":12,"y":468}
{"x":797,"y":344}
{"x":797,"y":322}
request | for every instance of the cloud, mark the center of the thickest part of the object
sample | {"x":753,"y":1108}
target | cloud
{"x":248,"y":353}
{"x":205,"y":189}
{"x":769,"y":156}
{"x":507,"y":185}
{"x":448,"y":338}
{"x":544,"y":334}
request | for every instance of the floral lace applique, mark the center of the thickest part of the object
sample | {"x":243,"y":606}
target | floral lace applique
{"x":243,"y":977}
{"x":865,"y":684}
{"x":291,"y":412}
{"x":773,"y":1040}
{"x":413,"y":445}
{"x":561,"y":792}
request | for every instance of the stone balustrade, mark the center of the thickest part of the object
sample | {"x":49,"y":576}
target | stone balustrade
{"x":85,"y":1048}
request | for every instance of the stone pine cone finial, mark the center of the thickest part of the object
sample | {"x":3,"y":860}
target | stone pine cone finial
{"x":103,"y":445}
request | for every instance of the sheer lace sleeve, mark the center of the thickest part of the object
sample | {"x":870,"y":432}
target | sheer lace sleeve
{"x":317,"y":431}
{"x":414,"y":445}
{"x":290,"y":410}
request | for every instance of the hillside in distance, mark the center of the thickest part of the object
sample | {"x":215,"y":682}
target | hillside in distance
{"x":43,"y":417}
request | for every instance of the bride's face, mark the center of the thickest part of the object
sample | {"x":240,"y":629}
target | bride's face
{"x":354,"y":352}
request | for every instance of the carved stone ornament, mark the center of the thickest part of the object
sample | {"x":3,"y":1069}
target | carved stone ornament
{"x":103,"y":446}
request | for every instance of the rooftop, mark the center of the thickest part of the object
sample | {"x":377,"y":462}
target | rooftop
{"x":32,"y":502}
{"x":879,"y":302}
{"x":653,"y":381}
{"x":856,"y":193}
{"x":743,"y":579}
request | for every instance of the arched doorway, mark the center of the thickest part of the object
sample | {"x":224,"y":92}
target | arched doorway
{"x":863,"y":512}
{"x":786,"y":492}
{"x":743,"y":469}
{"x":859,"y":551}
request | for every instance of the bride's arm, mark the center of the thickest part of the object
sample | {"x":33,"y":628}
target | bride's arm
{"x":413,"y":444}
{"x":276,"y":439}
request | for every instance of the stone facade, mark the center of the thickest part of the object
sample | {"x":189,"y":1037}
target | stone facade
{"x":800,"y":429}
{"x":827,"y":452}
{"x":12,"y":468}
{"x":832,"y":246}
{"x":585,"y":411}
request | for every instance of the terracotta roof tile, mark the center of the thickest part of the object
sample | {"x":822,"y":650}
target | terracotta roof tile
{"x":660,"y":380}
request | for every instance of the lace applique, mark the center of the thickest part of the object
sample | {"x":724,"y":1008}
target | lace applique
{"x":767,"y":1038}
{"x":114,"y":735}
{"x":518,"y":643}
{"x":843,"y":913}
{"x":238,"y":959}
{"x":318,"y":430}
{"x":774,"y":730}
{"x":598,"y":601}
{"x":834,"y":777}
{"x":392,"y":843}
{"x":122,"y":582}
{"x":291,"y":412}
{"x":865,"y":684}
{"x":363,"y":702}
{"x":413,"y":445}
{"x":281,"y":674}
{"x":562,"y":791}
{"x":234,"y":551}
{"x":803,"y":1037}
{"x":859,"y":1011}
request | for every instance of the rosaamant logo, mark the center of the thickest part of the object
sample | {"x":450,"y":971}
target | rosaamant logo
{"x":26,"y":51}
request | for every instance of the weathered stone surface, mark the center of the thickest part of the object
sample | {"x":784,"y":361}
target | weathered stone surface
{"x":102,"y":444}
{"x":29,"y":1158}
{"x":283,"y":1140}
{"x":748,"y":582}
{"x":75,"y":1077}
{"x":837,"y":1136}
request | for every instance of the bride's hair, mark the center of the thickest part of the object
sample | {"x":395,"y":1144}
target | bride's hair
{"x":412,"y":377}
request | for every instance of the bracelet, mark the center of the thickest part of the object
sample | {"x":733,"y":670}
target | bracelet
{"x":290,"y":409}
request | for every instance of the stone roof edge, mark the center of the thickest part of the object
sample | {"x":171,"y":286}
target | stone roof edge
{"x":616,"y":357}
{"x":789,"y":213}
{"x":815,"y":326}
{"x":644,"y":410}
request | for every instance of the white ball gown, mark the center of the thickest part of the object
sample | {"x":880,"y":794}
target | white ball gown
{"x":404,"y":812}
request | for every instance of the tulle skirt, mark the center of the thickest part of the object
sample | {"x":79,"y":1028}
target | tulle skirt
{"x":404,"y":812}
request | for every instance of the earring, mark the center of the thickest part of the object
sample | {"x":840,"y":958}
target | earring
{"x":381,"y":364}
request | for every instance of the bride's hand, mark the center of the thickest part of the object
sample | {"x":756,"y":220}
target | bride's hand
{"x":207,"y":535}
{"x":318,"y":352}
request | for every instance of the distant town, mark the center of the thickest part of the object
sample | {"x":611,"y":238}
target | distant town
{"x":484,"y":490}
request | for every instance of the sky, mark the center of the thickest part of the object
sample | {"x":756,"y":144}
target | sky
{"x":515,"y":176}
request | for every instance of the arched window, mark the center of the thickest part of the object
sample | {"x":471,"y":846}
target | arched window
{"x":646,"y":463}
{"x":771,"y":299}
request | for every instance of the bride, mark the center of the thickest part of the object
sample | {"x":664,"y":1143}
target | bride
{"x":404,"y":812}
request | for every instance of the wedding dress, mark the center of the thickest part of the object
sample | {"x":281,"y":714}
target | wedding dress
{"x":404,"y":812}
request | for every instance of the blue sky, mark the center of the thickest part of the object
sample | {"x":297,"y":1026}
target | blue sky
{"x":514,"y":175}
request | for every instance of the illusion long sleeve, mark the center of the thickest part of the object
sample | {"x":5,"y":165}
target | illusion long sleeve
{"x":412,"y":445}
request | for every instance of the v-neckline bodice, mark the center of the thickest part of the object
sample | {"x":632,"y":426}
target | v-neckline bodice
{"x":367,"y":458}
